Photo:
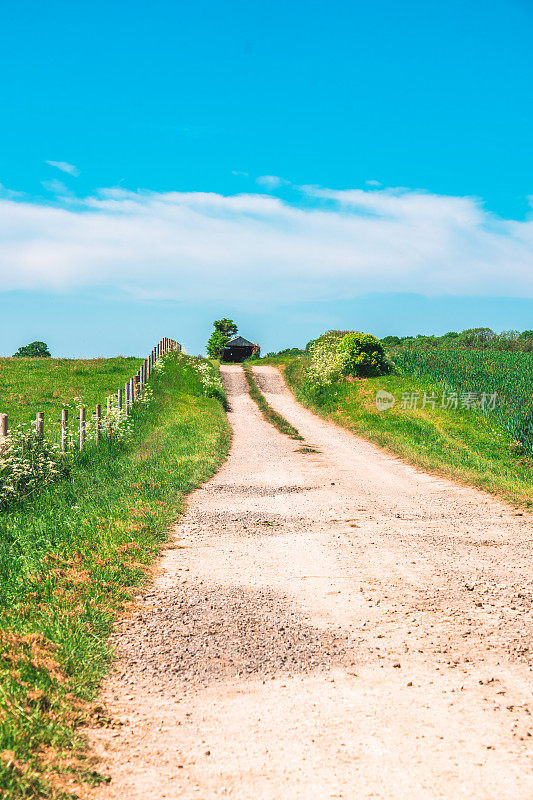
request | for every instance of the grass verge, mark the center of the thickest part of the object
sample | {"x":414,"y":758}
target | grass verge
{"x":69,"y":561}
{"x":272,"y":416}
{"x":461,"y":444}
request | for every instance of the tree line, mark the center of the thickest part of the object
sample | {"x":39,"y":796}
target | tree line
{"x":472,"y":338}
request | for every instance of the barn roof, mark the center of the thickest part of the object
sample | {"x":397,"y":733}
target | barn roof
{"x":239,"y":341}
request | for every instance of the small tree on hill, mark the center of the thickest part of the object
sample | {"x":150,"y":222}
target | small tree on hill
{"x":33,"y":350}
{"x":224,"y":329}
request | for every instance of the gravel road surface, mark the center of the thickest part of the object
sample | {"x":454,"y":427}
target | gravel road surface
{"x":328,"y":624}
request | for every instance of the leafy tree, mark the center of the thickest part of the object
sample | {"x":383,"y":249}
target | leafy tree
{"x":224,"y":329}
{"x":527,"y":334}
{"x":226,"y":326}
{"x":476,"y":337}
{"x":33,"y":350}
{"x":215,"y":345}
{"x":391,"y":340}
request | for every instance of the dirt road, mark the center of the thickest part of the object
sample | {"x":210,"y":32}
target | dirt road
{"x":328,"y":625}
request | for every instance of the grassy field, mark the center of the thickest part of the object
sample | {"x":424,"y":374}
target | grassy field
{"x":69,"y":559}
{"x":28,"y":385}
{"x":459,"y":443}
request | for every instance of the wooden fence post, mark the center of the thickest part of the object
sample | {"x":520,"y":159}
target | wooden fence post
{"x":82,"y":428}
{"x":136,"y":387}
{"x":119,"y":399}
{"x":98,"y":421}
{"x":109,"y":404}
{"x":4,"y":426}
{"x":64,"y":430}
{"x":39,"y":425}
{"x":132,"y":395}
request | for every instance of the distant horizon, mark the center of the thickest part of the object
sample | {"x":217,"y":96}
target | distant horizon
{"x":367,"y":313}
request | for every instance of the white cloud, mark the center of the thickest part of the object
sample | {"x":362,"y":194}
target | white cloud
{"x":56,"y":187}
{"x":271,"y":181}
{"x":70,"y":169}
{"x":373,"y":183}
{"x":5,"y":192}
{"x":180,"y":245}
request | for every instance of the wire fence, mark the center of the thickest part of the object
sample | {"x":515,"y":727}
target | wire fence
{"x":123,"y":402}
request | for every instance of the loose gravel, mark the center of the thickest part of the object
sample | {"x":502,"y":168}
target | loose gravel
{"x":326,"y":624}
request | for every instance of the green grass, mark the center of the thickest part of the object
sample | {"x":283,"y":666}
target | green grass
{"x":461,"y":444}
{"x":508,"y":374}
{"x":69,"y":560}
{"x":28,"y":385}
{"x":272,"y":416}
{"x":275,"y":360}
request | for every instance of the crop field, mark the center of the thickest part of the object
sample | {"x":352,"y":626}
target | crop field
{"x":28,"y":385}
{"x":508,"y":375}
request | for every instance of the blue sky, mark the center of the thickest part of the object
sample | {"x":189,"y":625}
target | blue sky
{"x":395,"y":139}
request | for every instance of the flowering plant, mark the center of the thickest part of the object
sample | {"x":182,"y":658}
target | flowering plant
{"x":341,"y":353}
{"x":210,"y":380}
{"x":28,"y":462}
{"x":324,"y":367}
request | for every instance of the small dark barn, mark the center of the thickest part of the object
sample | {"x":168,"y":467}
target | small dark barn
{"x":237,"y":349}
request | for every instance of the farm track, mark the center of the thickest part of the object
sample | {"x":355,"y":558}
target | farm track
{"x":327,"y":624}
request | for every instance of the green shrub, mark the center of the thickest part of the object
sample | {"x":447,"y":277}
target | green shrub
{"x":361,"y":355}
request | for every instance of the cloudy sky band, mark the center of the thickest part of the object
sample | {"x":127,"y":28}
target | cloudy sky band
{"x":182,"y":245}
